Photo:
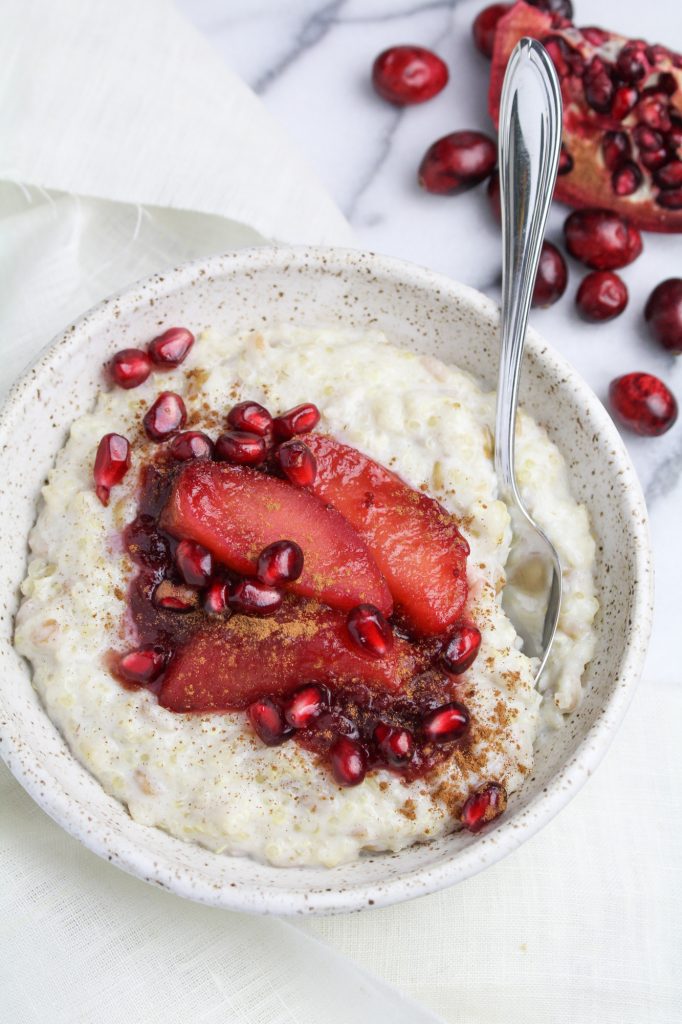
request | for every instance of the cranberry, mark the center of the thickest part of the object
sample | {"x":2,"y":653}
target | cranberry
{"x":216,"y":599}
{"x":130,"y":367}
{"x":395,"y":745}
{"x":111,"y":464}
{"x":663,"y":313}
{"x":447,"y":723}
{"x":484,"y":806}
{"x":267,"y":719}
{"x":143,"y":665}
{"x":404,"y":75}
{"x":461,"y":648}
{"x":194,"y":562}
{"x":176,"y":597}
{"x":250,"y":417}
{"x":281,"y":562}
{"x":565,"y":161}
{"x":643,"y":403}
{"x":299,"y":420}
{"x":602,"y":295}
{"x":602,"y":240}
{"x":172,"y":347}
{"x":191,"y":444}
{"x":369,"y":630}
{"x":240,"y":447}
{"x":251,"y":597}
{"x":615,"y":149}
{"x":297,"y":462}
{"x":626,"y":179}
{"x":669,"y":176}
{"x":348,"y":761}
{"x":306,"y":704}
{"x":457,"y":162}
{"x":494,"y":198}
{"x":485,"y":26}
{"x":552,"y":277}
{"x":165,"y":417}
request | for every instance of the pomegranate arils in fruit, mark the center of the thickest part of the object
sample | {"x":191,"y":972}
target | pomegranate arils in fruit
{"x":405,"y":75}
{"x":653,"y":112}
{"x":299,"y":420}
{"x":484,"y":26}
{"x":552,"y":277}
{"x":111,"y":464}
{"x":306,"y":705}
{"x":447,"y":723}
{"x":669,"y":176}
{"x":652,"y":159}
{"x":643,"y":403}
{"x":484,"y":806}
{"x":130,"y":367}
{"x":268,"y":722}
{"x":670,"y":200}
{"x":564,"y":8}
{"x":194,"y":562}
{"x":395,"y":745}
{"x":565,"y":161}
{"x":598,"y":86}
{"x":297,"y":462}
{"x":626,"y":179}
{"x":624,"y":99}
{"x":615,"y":149}
{"x":250,"y":417}
{"x":191,"y":444}
{"x":457,"y":162}
{"x":251,"y":597}
{"x":348,"y":761}
{"x":176,"y":597}
{"x":461,"y":649}
{"x":602,"y":240}
{"x":281,"y":562}
{"x":172,"y":347}
{"x":241,"y":448}
{"x":647,"y":138}
{"x":602,"y":295}
{"x":631,"y":63}
{"x":216,"y":599}
{"x":663,"y":314}
{"x":369,"y":630}
{"x":165,"y":417}
{"x":143,"y":665}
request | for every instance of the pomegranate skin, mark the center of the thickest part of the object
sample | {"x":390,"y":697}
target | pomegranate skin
{"x":663,"y":314}
{"x":405,"y":75}
{"x":602,"y":296}
{"x":552,"y":277}
{"x":457,"y":162}
{"x":643,"y":403}
{"x":602,"y":240}
{"x":483,"y":28}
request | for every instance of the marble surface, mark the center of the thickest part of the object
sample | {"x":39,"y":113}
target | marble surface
{"x":309,"y":62}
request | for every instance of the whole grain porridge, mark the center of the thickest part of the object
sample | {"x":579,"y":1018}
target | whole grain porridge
{"x":375,"y":698}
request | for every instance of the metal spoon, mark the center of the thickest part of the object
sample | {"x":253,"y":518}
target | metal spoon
{"x":529,"y":144}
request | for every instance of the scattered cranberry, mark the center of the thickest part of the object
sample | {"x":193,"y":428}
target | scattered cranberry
{"x":191,"y":444}
{"x":172,"y":347}
{"x":485,"y":26}
{"x":281,"y":562}
{"x":663,"y":314}
{"x":395,"y":745}
{"x":602,"y":295}
{"x":461,"y":648}
{"x":446,"y":723}
{"x":216,"y":599}
{"x":130,"y":367}
{"x":643,"y":403}
{"x":348,"y":761}
{"x":176,"y":597}
{"x":306,"y":705}
{"x":552,"y":277}
{"x":405,"y":75}
{"x":483,"y":807}
{"x":242,"y":448}
{"x":267,"y":719}
{"x":602,"y":240}
{"x":297,"y":462}
{"x":369,"y":630}
{"x":165,"y":417}
{"x":299,"y":420}
{"x":111,"y":464}
{"x":251,"y":597}
{"x":250,"y":417}
{"x":194,"y":562}
{"x":457,"y":162}
{"x":143,"y":665}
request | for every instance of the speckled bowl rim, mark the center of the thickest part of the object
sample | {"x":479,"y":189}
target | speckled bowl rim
{"x":489,"y":847}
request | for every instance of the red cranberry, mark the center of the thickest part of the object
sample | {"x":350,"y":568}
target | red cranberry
{"x":552,"y":277}
{"x":602,"y":240}
{"x":348,"y":761}
{"x":565,"y":161}
{"x":306,"y":705}
{"x":669,"y":176}
{"x":240,"y":447}
{"x":191,"y":444}
{"x":281,"y":562}
{"x":643,"y":403}
{"x":405,"y":75}
{"x":299,"y":420}
{"x":482,"y":807}
{"x":143,"y":665}
{"x":461,"y":648}
{"x":194,"y":562}
{"x":165,"y":417}
{"x":395,"y":745}
{"x":369,"y":630}
{"x":663,"y":313}
{"x":297,"y":462}
{"x":251,"y":418}
{"x":457,"y":162}
{"x":172,"y":347}
{"x":130,"y":367}
{"x":216,"y":599}
{"x":485,"y":26}
{"x":602,"y":295}
{"x":626,"y":179}
{"x":447,"y":723}
{"x":176,"y":597}
{"x":251,"y":597}
{"x":111,"y":464}
{"x":494,"y":197}
{"x":267,"y":719}
{"x":615,"y":149}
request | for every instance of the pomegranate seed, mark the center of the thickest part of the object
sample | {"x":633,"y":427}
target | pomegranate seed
{"x":656,"y":54}
{"x":348,"y":761}
{"x":564,"y":8}
{"x":596,"y":36}
{"x":674,"y":140}
{"x":297,"y":462}
{"x":395,"y":745}
{"x":251,"y":597}
{"x":566,"y":60}
{"x":624,"y":99}
{"x":663,"y":314}
{"x":670,"y":200}
{"x":143,"y":665}
{"x":111,"y":464}
{"x":631,"y":63}
{"x":457,"y":162}
{"x":172,"y":347}
{"x":602,"y":295}
{"x":483,"y":807}
{"x":194,"y":562}
{"x":647,"y":139}
{"x":643,"y":403}
{"x":299,"y":420}
{"x":175,"y":597}
{"x":216,"y":599}
{"x":652,"y":159}
{"x":369,"y":630}
{"x":461,"y":648}
{"x":240,"y":447}
{"x":281,"y":562}
{"x":494,"y":198}
{"x":626,"y":179}
{"x":191,"y":444}
{"x":165,"y":417}
{"x":653,"y":112}
{"x":565,"y":161}
{"x":251,"y":418}
{"x":669,"y":176}
{"x":405,"y":75}
{"x":602,"y":240}
{"x":447,"y":723}
{"x":667,"y":83}
{"x":598,"y":86}
{"x":130,"y":367}
{"x":485,"y":26}
{"x":267,"y":720}
{"x":552,"y":276}
{"x":615,"y":149}
{"x":305,"y":705}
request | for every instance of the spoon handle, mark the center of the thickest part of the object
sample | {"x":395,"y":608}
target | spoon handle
{"x":529,"y":144}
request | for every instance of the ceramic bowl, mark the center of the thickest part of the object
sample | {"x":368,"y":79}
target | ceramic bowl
{"x":420,"y":311}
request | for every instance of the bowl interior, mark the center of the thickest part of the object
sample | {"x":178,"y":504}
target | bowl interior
{"x":418,"y":310}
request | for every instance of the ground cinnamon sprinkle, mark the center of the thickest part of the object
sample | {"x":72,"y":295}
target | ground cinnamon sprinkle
{"x":408,"y":810}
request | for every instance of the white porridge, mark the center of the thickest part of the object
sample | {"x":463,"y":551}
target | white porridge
{"x":207,"y":778}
